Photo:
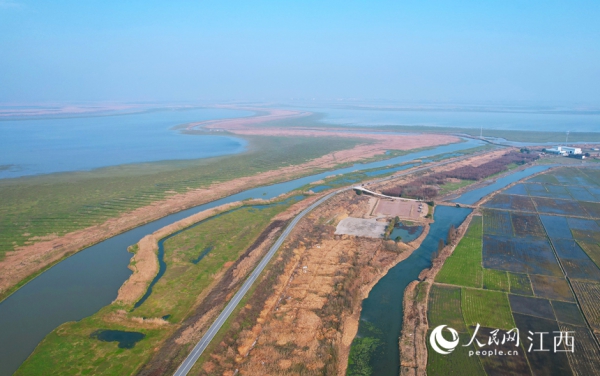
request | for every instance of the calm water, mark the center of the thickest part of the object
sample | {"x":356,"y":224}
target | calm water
{"x":381,"y":315}
{"x":44,"y":146}
{"x":89,"y":280}
{"x":487,"y":120}
{"x":471,"y":197}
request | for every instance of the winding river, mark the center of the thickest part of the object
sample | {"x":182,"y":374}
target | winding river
{"x":82,"y":284}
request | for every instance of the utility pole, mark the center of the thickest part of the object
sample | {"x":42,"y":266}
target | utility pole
{"x":567,"y":139}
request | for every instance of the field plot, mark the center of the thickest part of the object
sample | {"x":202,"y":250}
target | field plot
{"x":556,"y":227}
{"x":543,"y":362}
{"x":495,"y":280}
{"x":517,"y":189}
{"x":487,"y":308}
{"x":585,"y":230}
{"x":525,"y":225}
{"x":528,"y":232}
{"x":520,"y":284}
{"x":544,"y":178}
{"x":561,"y":207}
{"x":585,"y":359}
{"x":594,"y":191}
{"x":459,"y":363}
{"x":568,"y":313}
{"x":588,"y":294}
{"x":463,"y":267}
{"x":511,"y":202}
{"x":571,"y":176}
{"x":497,"y":222}
{"x":575,"y":261}
{"x":592,"y":250}
{"x":593,"y":209}
{"x":502,"y":365}
{"x":531,"y":306}
{"x":444,"y":307}
{"x":519,"y":255}
{"x":551,"y":288}
{"x":580,"y":193}
{"x":547,"y":190}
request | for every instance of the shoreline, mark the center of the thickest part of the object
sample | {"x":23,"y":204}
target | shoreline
{"x":26,"y":262}
{"x":352,"y":321}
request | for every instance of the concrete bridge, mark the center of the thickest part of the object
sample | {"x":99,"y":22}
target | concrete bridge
{"x":365,"y":190}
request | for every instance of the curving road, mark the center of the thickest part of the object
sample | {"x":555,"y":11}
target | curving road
{"x":191,"y":359}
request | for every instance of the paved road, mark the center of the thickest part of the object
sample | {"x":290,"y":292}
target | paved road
{"x":191,"y":359}
{"x":189,"y":362}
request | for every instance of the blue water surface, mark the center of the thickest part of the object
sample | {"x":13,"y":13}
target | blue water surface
{"x":46,"y":145}
{"x":531,"y":121}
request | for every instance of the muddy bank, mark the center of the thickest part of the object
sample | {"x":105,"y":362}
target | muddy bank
{"x":350,"y":328}
{"x":412,"y":343}
{"x":32,"y":259}
{"x":144,"y":262}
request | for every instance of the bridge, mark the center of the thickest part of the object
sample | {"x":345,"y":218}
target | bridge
{"x":365,"y":190}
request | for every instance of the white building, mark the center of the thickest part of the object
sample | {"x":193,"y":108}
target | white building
{"x":564,"y":150}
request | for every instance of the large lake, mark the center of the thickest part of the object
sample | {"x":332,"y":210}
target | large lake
{"x":531,"y":121}
{"x":47,"y":145}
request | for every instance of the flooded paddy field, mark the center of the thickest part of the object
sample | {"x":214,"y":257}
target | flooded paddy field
{"x":537,"y":243}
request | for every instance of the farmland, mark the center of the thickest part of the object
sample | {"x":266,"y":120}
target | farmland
{"x":539,"y":244}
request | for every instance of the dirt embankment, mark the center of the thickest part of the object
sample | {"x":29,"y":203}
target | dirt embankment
{"x":413,"y":345}
{"x":309,"y":319}
{"x":31,"y":259}
{"x":144,"y":263}
{"x":214,"y":298}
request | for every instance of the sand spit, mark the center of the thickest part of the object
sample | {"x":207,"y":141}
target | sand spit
{"x":31,"y":259}
{"x":144,"y":262}
{"x":263,"y":115}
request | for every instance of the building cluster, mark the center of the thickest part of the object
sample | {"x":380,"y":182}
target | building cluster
{"x":564,"y":151}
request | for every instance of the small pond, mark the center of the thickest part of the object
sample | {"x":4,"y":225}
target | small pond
{"x":127,"y":340}
{"x":406,"y":233}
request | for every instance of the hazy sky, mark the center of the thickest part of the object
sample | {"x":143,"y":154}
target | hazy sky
{"x":130,"y":50}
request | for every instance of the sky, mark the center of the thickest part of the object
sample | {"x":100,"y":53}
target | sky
{"x":468,"y":51}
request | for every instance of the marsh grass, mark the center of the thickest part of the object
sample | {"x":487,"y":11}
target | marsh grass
{"x":52,"y":205}
{"x":175,"y":294}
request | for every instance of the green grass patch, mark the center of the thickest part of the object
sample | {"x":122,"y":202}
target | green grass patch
{"x":456,"y":363}
{"x":59,"y":203}
{"x":444,"y":307}
{"x":495,"y":280}
{"x":226,"y":236}
{"x":69,"y":350}
{"x":453,"y":186}
{"x":487,"y":308}
{"x":463,"y":267}
{"x":519,"y":284}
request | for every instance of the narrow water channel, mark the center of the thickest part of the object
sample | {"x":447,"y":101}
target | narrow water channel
{"x":89,"y":280}
{"x":382,"y":312}
{"x":471,"y":197}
